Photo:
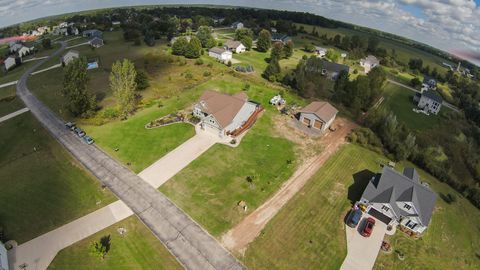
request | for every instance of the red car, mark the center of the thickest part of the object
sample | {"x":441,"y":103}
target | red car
{"x":367,"y":230}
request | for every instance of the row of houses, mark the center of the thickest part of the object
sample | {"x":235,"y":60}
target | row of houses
{"x":17,"y":52}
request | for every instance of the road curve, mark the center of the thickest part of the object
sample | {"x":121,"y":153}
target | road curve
{"x":193,"y":247}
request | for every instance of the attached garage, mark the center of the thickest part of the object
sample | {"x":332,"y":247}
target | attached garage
{"x":380,"y":216}
{"x":306,"y":121}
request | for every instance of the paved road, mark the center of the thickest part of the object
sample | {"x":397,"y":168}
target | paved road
{"x":193,"y":247}
{"x":446,"y":104}
{"x":13,"y":114}
{"x":362,"y":251}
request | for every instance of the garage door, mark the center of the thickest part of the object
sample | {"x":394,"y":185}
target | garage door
{"x":318,"y":124}
{"x":380,"y":216}
{"x":306,"y":121}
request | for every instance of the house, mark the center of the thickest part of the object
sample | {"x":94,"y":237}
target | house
{"x":226,"y":115}
{"x":321,"y":52}
{"x":11,"y":62}
{"x":235,"y":46}
{"x":220,"y":54}
{"x":429,"y":83}
{"x":369,"y":63}
{"x":237,"y":25}
{"x":96,"y":42}
{"x":69,"y":57}
{"x":116,"y":23}
{"x":277,"y":37}
{"x":318,"y":115}
{"x":15,"y":47}
{"x":92,"y":33}
{"x":429,"y":101}
{"x":343,"y":55}
{"x":188,"y":38}
{"x":3,"y":257}
{"x":24,"y":50}
{"x":331,"y":70}
{"x":400,"y":199}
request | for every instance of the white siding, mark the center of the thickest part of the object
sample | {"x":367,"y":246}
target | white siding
{"x":3,"y":258}
{"x":242,"y":116}
{"x":429,"y":105}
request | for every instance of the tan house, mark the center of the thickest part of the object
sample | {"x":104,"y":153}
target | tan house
{"x":69,"y":57}
{"x":318,"y":115}
{"x":226,"y":115}
{"x":235,"y":46}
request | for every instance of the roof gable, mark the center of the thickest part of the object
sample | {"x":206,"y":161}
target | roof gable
{"x":323,"y":110}
{"x":222,"y":107}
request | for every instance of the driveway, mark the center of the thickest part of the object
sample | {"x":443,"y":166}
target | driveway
{"x":363,"y":251}
{"x":172,"y":163}
{"x":193,"y":247}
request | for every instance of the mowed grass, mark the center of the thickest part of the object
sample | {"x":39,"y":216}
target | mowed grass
{"x":403,"y":52}
{"x":210,"y":188}
{"x":138,"y":248}
{"x":400,"y":101}
{"x":10,"y":105}
{"x":42,"y":187}
{"x":308,"y":233}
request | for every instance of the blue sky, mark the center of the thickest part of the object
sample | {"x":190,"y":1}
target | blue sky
{"x":451,"y":25}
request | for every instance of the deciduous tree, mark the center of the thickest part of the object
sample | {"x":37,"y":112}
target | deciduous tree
{"x":123,"y":85}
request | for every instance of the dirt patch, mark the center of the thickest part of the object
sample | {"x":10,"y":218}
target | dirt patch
{"x":238,"y":238}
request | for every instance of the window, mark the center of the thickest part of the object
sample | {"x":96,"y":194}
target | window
{"x":385,"y":208}
{"x":406,"y":206}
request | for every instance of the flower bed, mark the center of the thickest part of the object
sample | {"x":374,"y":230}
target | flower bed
{"x":170,"y":119}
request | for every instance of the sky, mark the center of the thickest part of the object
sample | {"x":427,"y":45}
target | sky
{"x":451,"y":25}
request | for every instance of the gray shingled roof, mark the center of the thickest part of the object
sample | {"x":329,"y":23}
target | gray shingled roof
{"x":391,"y":187}
{"x":432,"y":95}
{"x":217,"y":50}
{"x":334,"y":67}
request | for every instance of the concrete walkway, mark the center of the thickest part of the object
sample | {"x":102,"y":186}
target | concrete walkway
{"x":39,"y":252}
{"x":8,"y":84}
{"x":78,"y":45}
{"x":34,"y":59}
{"x":173,"y":162}
{"x":11,"y":115}
{"x":45,"y":69}
{"x":192,"y":246}
{"x":363,"y":251}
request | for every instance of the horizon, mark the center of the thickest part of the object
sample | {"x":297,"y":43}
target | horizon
{"x":411,"y":13}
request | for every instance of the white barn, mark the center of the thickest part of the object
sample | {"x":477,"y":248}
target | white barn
{"x":220,"y":54}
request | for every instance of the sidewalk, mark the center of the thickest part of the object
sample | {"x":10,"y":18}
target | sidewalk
{"x":11,"y":115}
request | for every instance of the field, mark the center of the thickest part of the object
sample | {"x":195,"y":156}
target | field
{"x":308,"y":233}
{"x":400,"y":101}
{"x":10,"y":105}
{"x":136,"y":249}
{"x":403,"y":52}
{"x":42,"y":186}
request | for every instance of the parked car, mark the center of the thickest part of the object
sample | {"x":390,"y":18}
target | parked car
{"x":368,"y":229}
{"x":354,"y":217}
{"x":70,"y":125}
{"x":79,"y":132}
{"x":88,"y":139}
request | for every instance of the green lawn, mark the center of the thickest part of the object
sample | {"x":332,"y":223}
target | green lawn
{"x":8,"y":92}
{"x":9,"y":105}
{"x":42,"y":186}
{"x":308,"y":233}
{"x":212,"y":185}
{"x":400,"y":101}
{"x":138,"y":248}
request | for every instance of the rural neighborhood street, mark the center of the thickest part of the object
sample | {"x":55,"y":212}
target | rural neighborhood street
{"x":187,"y":241}
{"x":250,"y":227}
{"x":363,"y":251}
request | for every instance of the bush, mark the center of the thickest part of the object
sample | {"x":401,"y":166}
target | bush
{"x":209,"y":65}
{"x":229,"y":63}
{"x":110,"y":113}
{"x":207,"y":73}
{"x":199,"y":62}
{"x":188,"y":75}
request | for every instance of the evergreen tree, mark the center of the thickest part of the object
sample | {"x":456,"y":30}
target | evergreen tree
{"x":79,"y":101}
{"x":288,"y":49}
{"x":264,"y":41}
{"x":180,"y":45}
{"x":141,"y":80}
{"x":273,"y":70}
{"x":123,"y":85}
{"x":194,"y":48}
